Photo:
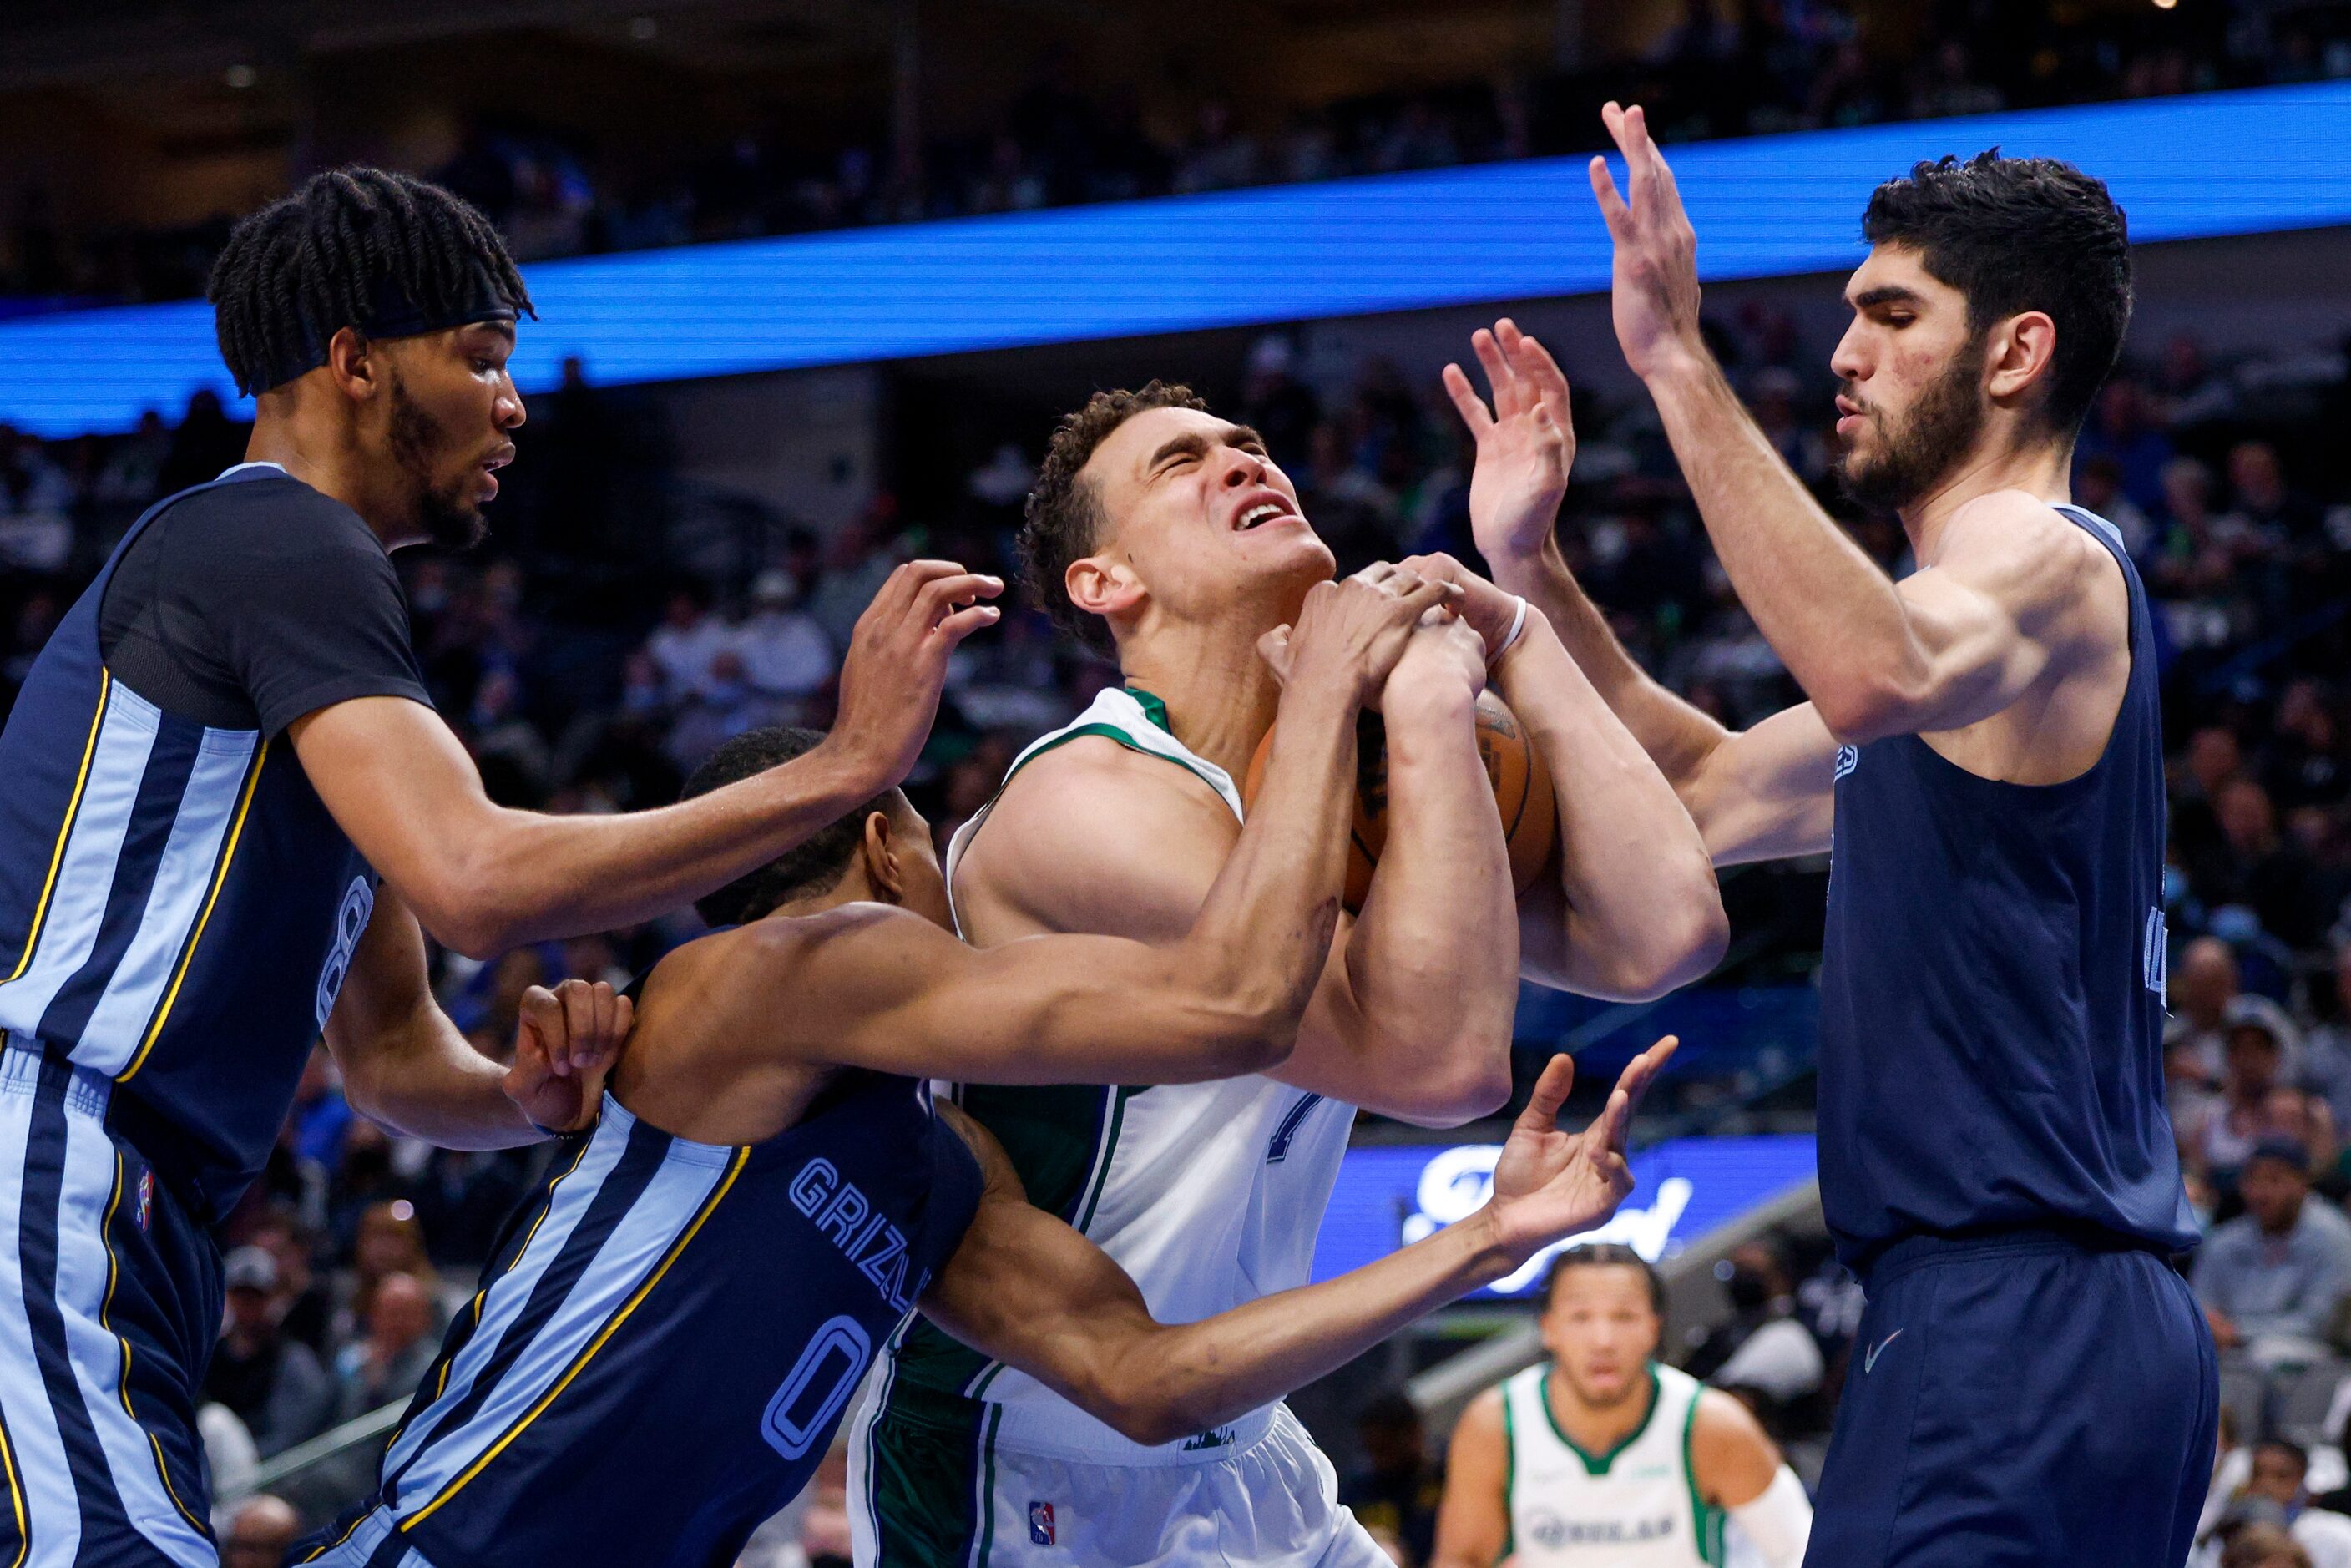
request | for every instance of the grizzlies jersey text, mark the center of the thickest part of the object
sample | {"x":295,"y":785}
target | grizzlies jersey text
{"x":1991,"y":1023}
{"x":668,"y":1337}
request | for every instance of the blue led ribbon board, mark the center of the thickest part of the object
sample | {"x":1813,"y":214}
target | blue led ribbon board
{"x":1388,"y":1196}
{"x":2184,"y":168}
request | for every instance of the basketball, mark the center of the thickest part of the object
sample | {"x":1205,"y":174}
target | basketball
{"x":1523,"y":797}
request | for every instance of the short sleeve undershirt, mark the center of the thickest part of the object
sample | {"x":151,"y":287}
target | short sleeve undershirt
{"x":247,"y":605}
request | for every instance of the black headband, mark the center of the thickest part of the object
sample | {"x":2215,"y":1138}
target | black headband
{"x":391,"y":313}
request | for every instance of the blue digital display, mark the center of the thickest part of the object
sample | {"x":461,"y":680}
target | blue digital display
{"x":1389,"y":1196}
{"x":2183,"y":168}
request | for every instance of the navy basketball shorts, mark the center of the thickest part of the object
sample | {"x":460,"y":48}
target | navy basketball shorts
{"x":109,"y":1304}
{"x":2020,"y":1399}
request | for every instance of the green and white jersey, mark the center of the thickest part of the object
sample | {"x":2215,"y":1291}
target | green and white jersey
{"x":1209,"y":1195}
{"x":1635,"y":1506}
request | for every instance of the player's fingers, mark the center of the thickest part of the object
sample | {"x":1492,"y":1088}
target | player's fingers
{"x":538,"y":1027}
{"x":1613,"y":210}
{"x":1536,"y":363}
{"x":1498,"y":375}
{"x":1428,"y":594}
{"x":1541,"y":1114}
{"x":606,"y":1031}
{"x":943,"y":593}
{"x":1274,"y":649}
{"x":966,"y":622}
{"x":579,"y":1000}
{"x":1466,"y":401}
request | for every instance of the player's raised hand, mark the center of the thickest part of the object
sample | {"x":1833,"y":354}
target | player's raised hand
{"x":1548,"y":1184}
{"x":1350,"y":635}
{"x":1654,"y":295}
{"x":897,"y":664}
{"x":1525,"y":441}
{"x":566,"y":1041}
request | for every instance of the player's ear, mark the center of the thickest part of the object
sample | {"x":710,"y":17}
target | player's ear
{"x":882,"y":872}
{"x":1099,"y":585}
{"x":2017,"y":355}
{"x":354,"y":363}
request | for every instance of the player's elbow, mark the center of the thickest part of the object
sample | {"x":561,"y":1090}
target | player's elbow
{"x":472,"y":925}
{"x":1149,"y":1420}
{"x":1468,"y":1081}
{"x":1690,"y":937}
{"x":1866,"y":704}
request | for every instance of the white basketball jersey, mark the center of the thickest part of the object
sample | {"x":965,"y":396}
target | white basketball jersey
{"x":1635,"y":1506}
{"x":1209,"y":1195}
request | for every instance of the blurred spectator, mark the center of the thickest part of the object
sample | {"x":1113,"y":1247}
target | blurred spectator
{"x":305,"y":1307}
{"x":686,"y":644}
{"x":785,"y":655}
{"x":2257,"y":1104}
{"x":389,"y":1241}
{"x":2326,"y":1050}
{"x":2272,"y":1279}
{"x":1399,"y":1487}
{"x":231,"y":1460}
{"x":1765,"y":1349}
{"x":274,"y":1384}
{"x":260,"y":1529}
{"x":395,"y":1348}
{"x":2195,"y":1033}
{"x":2279,"y":1470}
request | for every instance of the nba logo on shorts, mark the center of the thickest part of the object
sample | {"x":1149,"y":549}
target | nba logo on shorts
{"x":146,"y":1198}
{"x":1040,"y":1523}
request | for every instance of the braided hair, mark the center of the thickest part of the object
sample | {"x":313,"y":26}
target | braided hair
{"x":312,"y":263}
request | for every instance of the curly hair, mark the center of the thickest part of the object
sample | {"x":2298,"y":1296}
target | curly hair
{"x":2016,"y":234}
{"x":312,"y":263}
{"x":1062,"y":521}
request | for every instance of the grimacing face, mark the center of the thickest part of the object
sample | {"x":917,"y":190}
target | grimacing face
{"x":450,"y":407}
{"x":1912,"y":400}
{"x":1601,"y":1331}
{"x":1200,"y":522}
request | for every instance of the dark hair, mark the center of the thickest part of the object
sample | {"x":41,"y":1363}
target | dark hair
{"x":1606,"y":1255}
{"x":1063,"y":517}
{"x":2292,"y":1450}
{"x":312,"y":263}
{"x":817,"y":866}
{"x":2016,"y":234}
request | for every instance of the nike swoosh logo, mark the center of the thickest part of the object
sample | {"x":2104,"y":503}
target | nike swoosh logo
{"x":1869,"y":1362}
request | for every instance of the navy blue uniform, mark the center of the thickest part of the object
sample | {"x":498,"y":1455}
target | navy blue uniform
{"x":668,"y":1339}
{"x":176,"y":912}
{"x":2032,"y":1383}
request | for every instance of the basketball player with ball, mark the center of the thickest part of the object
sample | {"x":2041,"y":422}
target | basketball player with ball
{"x":1169,"y":537}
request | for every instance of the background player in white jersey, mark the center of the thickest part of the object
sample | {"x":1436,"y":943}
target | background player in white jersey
{"x":1171,"y":537}
{"x":1600,"y":1458}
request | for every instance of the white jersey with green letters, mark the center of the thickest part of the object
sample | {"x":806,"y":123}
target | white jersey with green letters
{"x":1635,"y":1506}
{"x":1209,"y":1195}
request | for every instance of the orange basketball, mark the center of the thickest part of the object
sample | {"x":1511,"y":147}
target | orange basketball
{"x":1522,"y":796}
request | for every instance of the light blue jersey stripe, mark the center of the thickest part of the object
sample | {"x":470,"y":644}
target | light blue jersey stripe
{"x":511,"y":1291}
{"x":86,"y":874}
{"x":644,"y":1235}
{"x":84,"y":1273}
{"x":52,"y":1510}
{"x":182,"y":879}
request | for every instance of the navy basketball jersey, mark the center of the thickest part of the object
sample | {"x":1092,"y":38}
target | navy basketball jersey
{"x":1992,"y":986}
{"x":668,"y":1338}
{"x":177,"y":908}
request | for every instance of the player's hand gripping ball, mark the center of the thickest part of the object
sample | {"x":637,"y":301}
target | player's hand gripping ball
{"x":1522,"y":796}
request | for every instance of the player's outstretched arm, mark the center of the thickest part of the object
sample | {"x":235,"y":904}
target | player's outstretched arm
{"x":886,"y":989}
{"x":1635,"y":911}
{"x":1952,"y":645}
{"x":1026,"y":1289}
{"x":1473,"y":1521}
{"x":404,"y":1065}
{"x":483,"y":878}
{"x":1737,"y":1468}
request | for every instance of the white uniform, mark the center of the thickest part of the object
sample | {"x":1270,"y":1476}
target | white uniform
{"x":1636,"y":1505}
{"x":1210,"y":1196}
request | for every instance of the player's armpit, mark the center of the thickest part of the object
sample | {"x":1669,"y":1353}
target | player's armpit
{"x":1769,"y":792}
{"x":1473,"y":1523}
{"x":1731,"y":1459}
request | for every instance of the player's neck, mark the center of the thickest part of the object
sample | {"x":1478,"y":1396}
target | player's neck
{"x":329,"y":461}
{"x":1220,"y":696}
{"x":2043,"y":468}
{"x":1598,"y":1428}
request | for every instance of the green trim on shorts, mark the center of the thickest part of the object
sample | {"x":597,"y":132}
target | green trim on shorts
{"x":986,"y":1501}
{"x":924,"y":1459}
{"x":1705,"y":1522}
{"x":1510,"y":1478}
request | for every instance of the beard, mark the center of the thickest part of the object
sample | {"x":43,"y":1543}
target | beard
{"x":447,"y":513}
{"x":1940,"y":427}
